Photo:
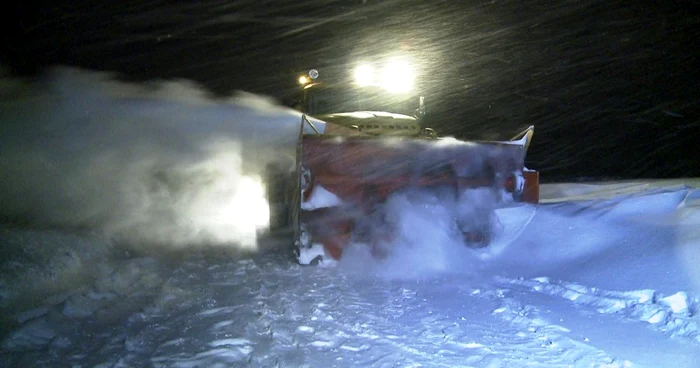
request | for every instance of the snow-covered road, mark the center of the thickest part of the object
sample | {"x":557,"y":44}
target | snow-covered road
{"x":621,"y":295}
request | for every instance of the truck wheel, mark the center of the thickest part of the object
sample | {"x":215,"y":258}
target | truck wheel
{"x":277,"y":185}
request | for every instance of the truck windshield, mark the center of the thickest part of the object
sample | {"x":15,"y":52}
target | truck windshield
{"x":327,"y":100}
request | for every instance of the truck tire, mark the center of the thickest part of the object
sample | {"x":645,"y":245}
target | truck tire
{"x":277,"y":186}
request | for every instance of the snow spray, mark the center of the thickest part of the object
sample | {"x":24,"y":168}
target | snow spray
{"x":160,"y":163}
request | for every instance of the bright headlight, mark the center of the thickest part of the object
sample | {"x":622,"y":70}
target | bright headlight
{"x":364,"y":75}
{"x":398,"y":76}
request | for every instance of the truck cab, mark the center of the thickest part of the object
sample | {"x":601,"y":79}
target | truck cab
{"x":375,"y":109}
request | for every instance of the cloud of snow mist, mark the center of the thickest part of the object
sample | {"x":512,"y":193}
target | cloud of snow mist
{"x":426,"y":238}
{"x":160,"y":163}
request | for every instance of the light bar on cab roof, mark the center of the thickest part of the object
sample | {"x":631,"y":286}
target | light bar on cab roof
{"x":397,"y":76}
{"x":364,"y":75}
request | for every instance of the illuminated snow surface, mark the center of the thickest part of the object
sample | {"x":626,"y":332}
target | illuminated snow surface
{"x":599,"y":275}
{"x":610,"y":280}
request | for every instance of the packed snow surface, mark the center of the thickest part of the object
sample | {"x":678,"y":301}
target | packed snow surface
{"x":597,"y":275}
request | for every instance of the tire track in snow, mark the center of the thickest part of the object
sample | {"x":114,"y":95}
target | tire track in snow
{"x":323,"y":317}
{"x":269,"y":312}
{"x":674,"y":315}
{"x":631,"y":320}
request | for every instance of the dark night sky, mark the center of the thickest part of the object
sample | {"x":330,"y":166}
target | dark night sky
{"x":612,"y":86}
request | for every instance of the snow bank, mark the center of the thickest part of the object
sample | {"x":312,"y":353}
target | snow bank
{"x":158,"y":163}
{"x":618,"y":235}
{"x":643,"y":239}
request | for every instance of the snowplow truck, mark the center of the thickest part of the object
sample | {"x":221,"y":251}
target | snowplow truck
{"x":353,"y":155}
{"x":342,"y":177}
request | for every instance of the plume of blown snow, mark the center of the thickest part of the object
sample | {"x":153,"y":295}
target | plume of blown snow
{"x":424,"y":238}
{"x":159,"y":163}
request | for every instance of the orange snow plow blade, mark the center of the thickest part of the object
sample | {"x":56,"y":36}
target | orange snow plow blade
{"x":344,"y":179}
